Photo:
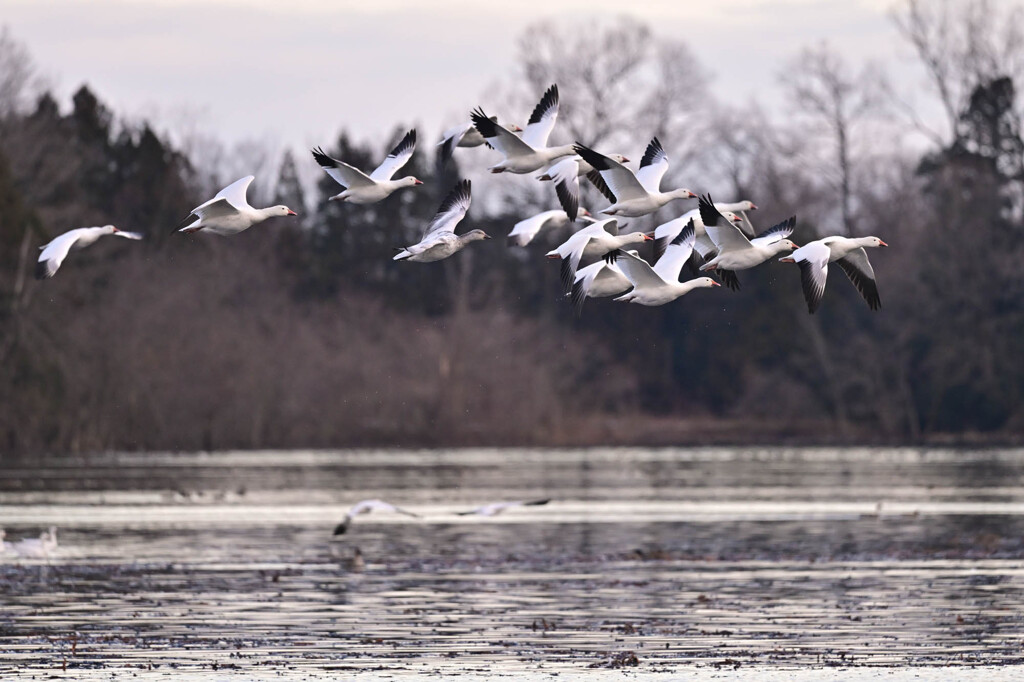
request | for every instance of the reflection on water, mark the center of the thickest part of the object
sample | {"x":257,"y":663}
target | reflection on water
{"x":688,"y":558}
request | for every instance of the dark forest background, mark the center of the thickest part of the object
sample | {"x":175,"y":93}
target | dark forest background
{"x":304,"y":333}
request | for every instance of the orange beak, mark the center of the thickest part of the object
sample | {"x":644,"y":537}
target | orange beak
{"x":753,"y":207}
{"x":715,"y":284}
{"x":648,"y":237}
{"x":625,"y":159}
{"x":418,"y":182}
{"x":291,"y":212}
{"x":737,"y":219}
{"x":882,"y":243}
{"x":516,"y":129}
{"x":692,"y":195}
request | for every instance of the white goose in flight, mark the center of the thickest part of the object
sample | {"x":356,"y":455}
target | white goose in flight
{"x":229,"y":212}
{"x":361,"y":188}
{"x":634,"y":195}
{"x":495,"y":508}
{"x":530,"y":152}
{"x":439,"y":239}
{"x":525,"y":231}
{"x":54,"y":253}
{"x":660,"y":285}
{"x":735,"y":251}
{"x":849,"y":254}
{"x":566,"y":175}
{"x":598,"y":280}
{"x":593,"y":241}
{"x":365,"y":507}
{"x":465,"y":135}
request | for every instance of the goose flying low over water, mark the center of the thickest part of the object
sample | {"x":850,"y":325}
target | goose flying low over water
{"x":660,"y":285}
{"x":531,"y":151}
{"x":634,"y":195}
{"x":465,"y":135}
{"x":366,"y":507}
{"x":54,"y":253}
{"x":439,"y":239}
{"x":735,"y":251}
{"x":525,"y":231}
{"x":849,"y":254}
{"x":361,"y":188}
{"x":593,"y":241}
{"x":229,"y":212}
{"x":495,"y":508}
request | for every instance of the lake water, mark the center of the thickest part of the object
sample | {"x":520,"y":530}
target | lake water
{"x":759,"y":564}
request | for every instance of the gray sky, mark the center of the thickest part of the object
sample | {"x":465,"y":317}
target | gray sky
{"x":294,"y":73}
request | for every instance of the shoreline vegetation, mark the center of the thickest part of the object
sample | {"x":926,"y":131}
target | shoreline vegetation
{"x":305,"y":334}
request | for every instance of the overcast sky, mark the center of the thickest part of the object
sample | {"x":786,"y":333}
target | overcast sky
{"x":293,"y":73}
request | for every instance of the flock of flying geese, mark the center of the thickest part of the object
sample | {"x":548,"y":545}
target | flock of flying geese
{"x":714,"y":238}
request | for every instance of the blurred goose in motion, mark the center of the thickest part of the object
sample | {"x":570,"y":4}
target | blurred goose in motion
{"x":634,"y":195}
{"x":598,"y":280}
{"x":439,"y":239}
{"x":566,"y":176}
{"x":849,"y":254}
{"x":530,"y":152}
{"x":365,"y":507}
{"x":593,"y":241}
{"x":526,"y":230}
{"x":229,"y":212}
{"x":495,"y":508}
{"x":361,"y":188}
{"x":35,"y":548}
{"x":660,"y":285}
{"x":465,"y":135}
{"x":735,"y":251}
{"x":54,"y":253}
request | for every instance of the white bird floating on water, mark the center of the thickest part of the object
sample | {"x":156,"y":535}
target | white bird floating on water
{"x":54,"y":253}
{"x":361,"y":188}
{"x":465,"y":135}
{"x":439,"y":239}
{"x":593,"y":241}
{"x":849,"y":255}
{"x":495,"y":508}
{"x":530,"y":152}
{"x":365,"y":507}
{"x":35,"y":548}
{"x":634,"y":195}
{"x":525,"y":231}
{"x":735,"y":251}
{"x":229,"y":212}
{"x":660,"y":285}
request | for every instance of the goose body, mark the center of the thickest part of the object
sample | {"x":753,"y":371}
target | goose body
{"x":566,"y":173}
{"x":229,"y":212}
{"x":464,"y":135}
{"x":361,"y":188}
{"x":592,"y":241}
{"x":439,"y":240}
{"x":852,"y":258}
{"x":54,"y":252}
{"x":658,"y":285}
{"x":525,"y":231}
{"x":366,"y":507}
{"x":734,"y":250}
{"x":530,"y":152}
{"x":598,"y":280}
{"x":634,"y":195}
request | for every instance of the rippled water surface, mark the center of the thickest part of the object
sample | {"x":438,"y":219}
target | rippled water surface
{"x":677,"y":563}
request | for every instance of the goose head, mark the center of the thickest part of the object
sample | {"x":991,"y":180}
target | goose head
{"x":279,"y":211}
{"x":475,"y":235}
{"x":787,"y":245}
{"x":409,"y":181}
{"x":705,"y":282}
{"x":636,"y":238}
{"x":730,"y":216}
{"x":872,"y":242}
{"x":747,"y":205}
{"x":618,"y":157}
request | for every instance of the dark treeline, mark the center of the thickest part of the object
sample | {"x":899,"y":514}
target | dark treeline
{"x":304,"y":333}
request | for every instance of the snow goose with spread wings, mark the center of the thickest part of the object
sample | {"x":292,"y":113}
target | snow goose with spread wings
{"x":593,"y":241}
{"x":658,"y":285}
{"x":566,"y":175}
{"x":636,"y":194}
{"x":361,"y":188}
{"x":365,"y":507}
{"x":439,"y":239}
{"x":734,"y":250}
{"x":229,"y":212}
{"x":849,"y":254}
{"x":531,"y":151}
{"x":465,"y":135}
{"x":526,"y":230}
{"x":495,"y":508}
{"x":54,"y":253}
